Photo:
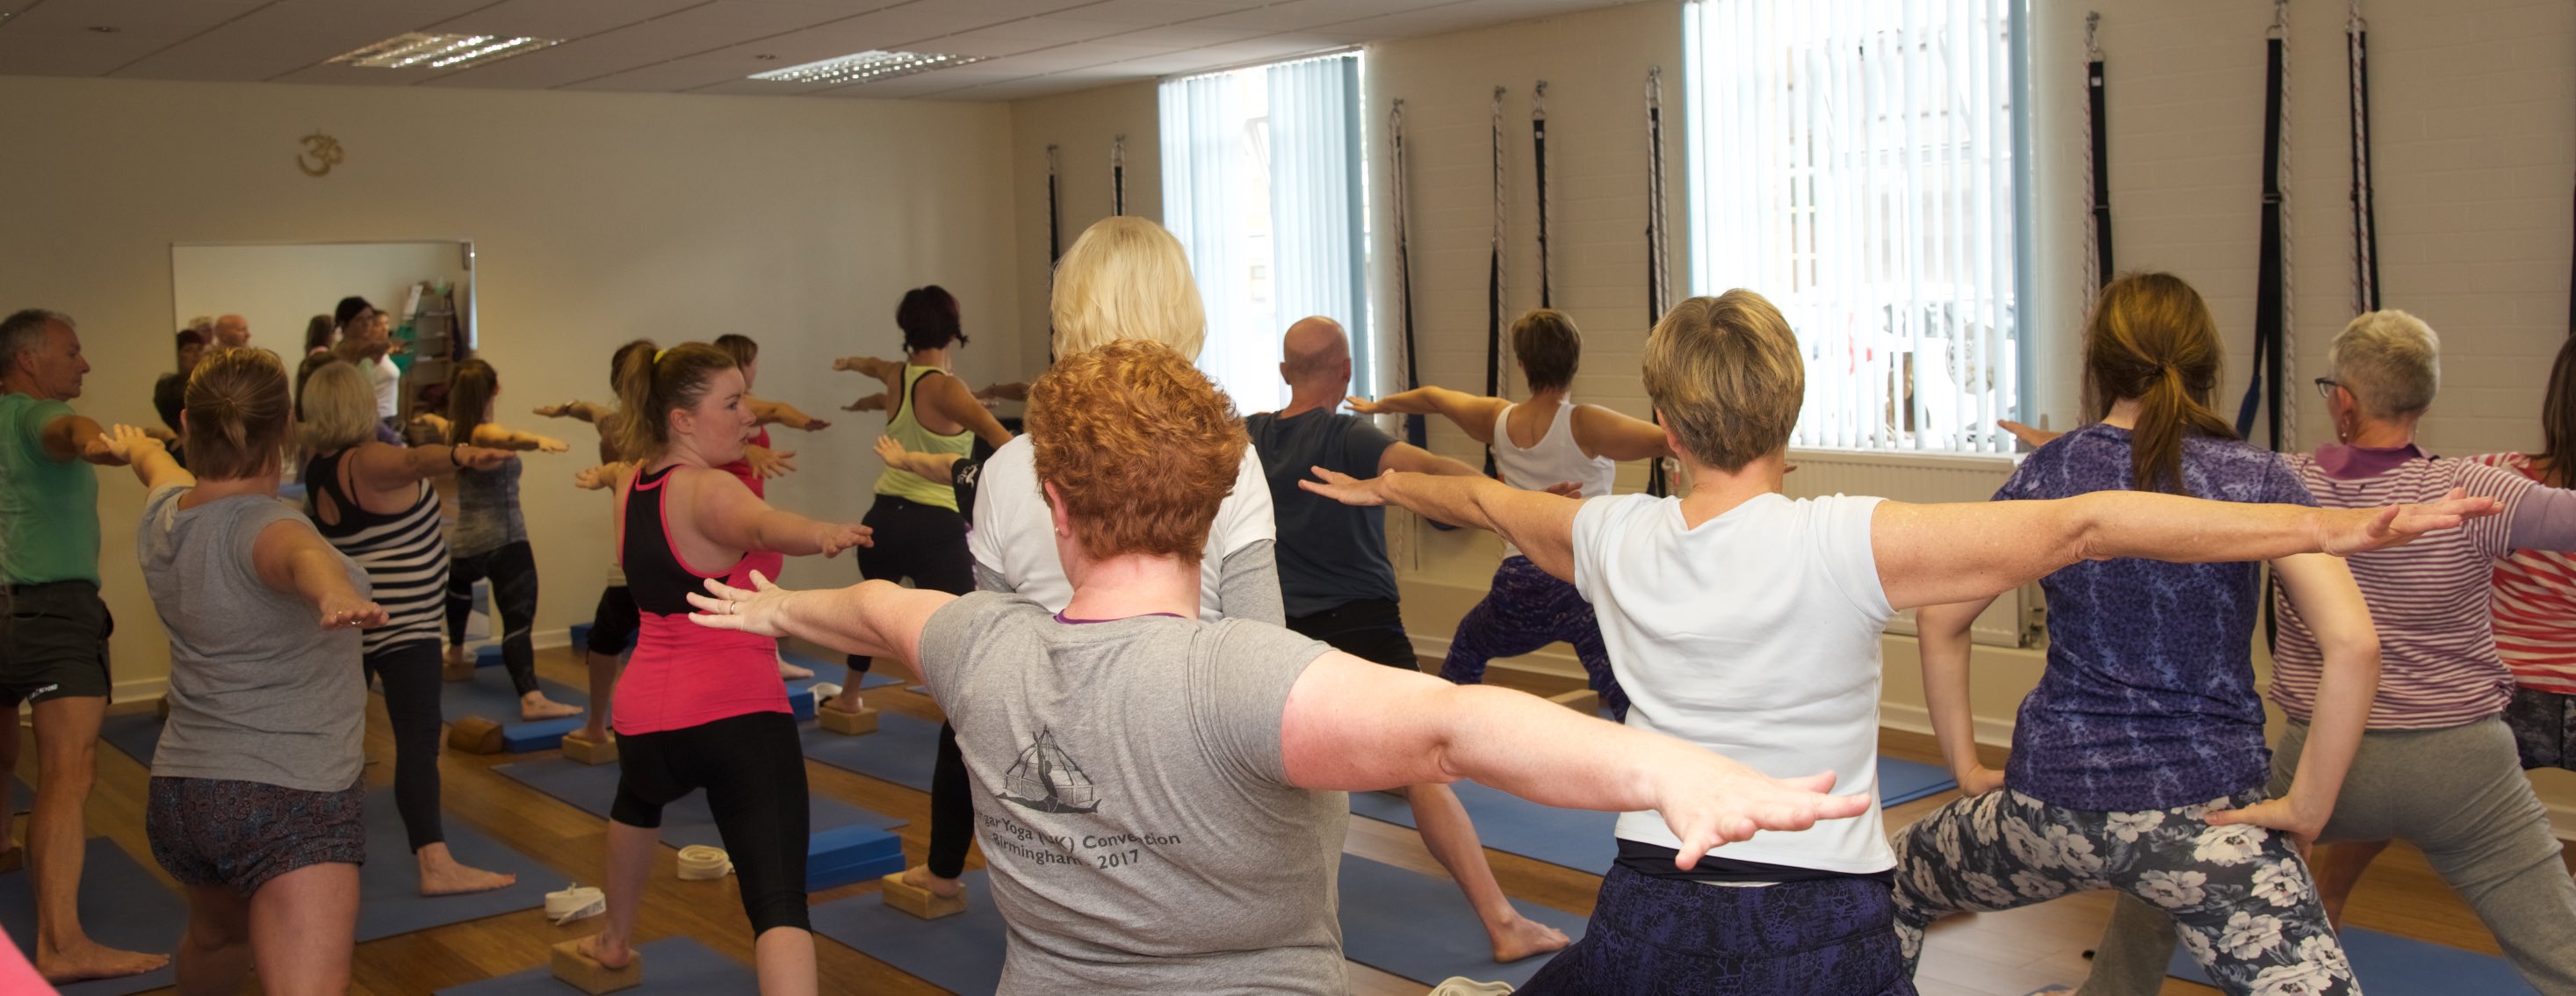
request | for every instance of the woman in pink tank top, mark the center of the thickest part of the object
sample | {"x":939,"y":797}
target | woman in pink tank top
{"x":698,"y":709}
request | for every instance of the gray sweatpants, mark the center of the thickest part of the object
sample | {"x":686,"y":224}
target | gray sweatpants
{"x":2460,"y":795}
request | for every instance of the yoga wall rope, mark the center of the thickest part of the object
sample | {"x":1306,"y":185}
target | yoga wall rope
{"x":1538,"y":146}
{"x":1494,"y":280}
{"x":1658,"y":279}
{"x":2365,"y":214}
{"x":2272,"y":284}
{"x":1055,"y":223}
{"x":1118,"y":176}
{"x":1415,"y":429}
{"x":2098,"y":267}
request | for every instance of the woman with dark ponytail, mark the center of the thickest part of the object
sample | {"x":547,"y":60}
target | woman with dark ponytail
{"x":698,"y":708}
{"x":491,"y":537}
{"x":2148,"y":710}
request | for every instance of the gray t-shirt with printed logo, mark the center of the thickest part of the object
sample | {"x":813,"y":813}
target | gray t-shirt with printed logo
{"x":1133,"y":801}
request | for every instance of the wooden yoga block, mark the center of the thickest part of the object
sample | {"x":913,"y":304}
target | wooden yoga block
{"x":1582,"y":700}
{"x":845,"y":722}
{"x":586,"y":751}
{"x":585,"y":973}
{"x":475,"y":735}
{"x":920,"y":902}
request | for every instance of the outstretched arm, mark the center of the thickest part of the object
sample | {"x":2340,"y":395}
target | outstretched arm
{"x":1354,"y":725}
{"x":934,"y":466}
{"x":1414,"y":459}
{"x":2330,"y":602}
{"x":782,"y":413}
{"x":587,"y":411}
{"x":1602,"y":432}
{"x":505,"y":438}
{"x":871,"y":403}
{"x":1931,"y":554}
{"x":874,"y":618}
{"x":290,"y":557}
{"x":1943,"y":632}
{"x":1539,"y":523}
{"x":151,"y":461}
{"x":1474,"y":413}
{"x":76,"y":437}
{"x":606,"y":476}
{"x":1016,"y":390}
{"x":385,"y":468}
{"x":949,"y":397}
{"x":728,"y":513}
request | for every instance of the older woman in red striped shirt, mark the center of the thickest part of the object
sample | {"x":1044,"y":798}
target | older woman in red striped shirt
{"x":2438,"y":766}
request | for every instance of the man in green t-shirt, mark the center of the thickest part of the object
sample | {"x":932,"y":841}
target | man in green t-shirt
{"x":54,"y":650}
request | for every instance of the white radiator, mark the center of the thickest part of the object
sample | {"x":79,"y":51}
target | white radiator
{"x":2014,"y":619}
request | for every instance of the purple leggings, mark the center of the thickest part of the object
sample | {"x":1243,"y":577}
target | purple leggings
{"x":1528,"y":609}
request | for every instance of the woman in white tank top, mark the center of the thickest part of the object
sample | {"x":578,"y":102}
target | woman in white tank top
{"x":1570,"y":449}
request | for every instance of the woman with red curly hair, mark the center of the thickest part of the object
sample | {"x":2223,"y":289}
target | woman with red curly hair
{"x":1184,"y":779}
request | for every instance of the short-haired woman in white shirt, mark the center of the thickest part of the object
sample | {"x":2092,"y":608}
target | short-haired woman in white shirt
{"x":1749,"y":623}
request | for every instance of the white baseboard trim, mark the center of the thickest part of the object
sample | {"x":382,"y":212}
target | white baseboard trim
{"x":149,"y":689}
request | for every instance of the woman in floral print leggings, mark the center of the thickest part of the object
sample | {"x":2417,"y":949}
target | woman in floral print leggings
{"x":2138,"y":764}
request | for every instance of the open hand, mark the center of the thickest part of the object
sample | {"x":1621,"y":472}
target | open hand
{"x":872,"y":403}
{"x":2361,"y":530}
{"x":754,"y":610}
{"x":890,"y":451}
{"x":480,"y":457}
{"x":1979,"y":780}
{"x":769,"y":463}
{"x":1713,"y":801}
{"x":351,"y":612}
{"x":2283,"y":814}
{"x":1366,"y":407}
{"x":812,"y":424}
{"x":119,"y":446}
{"x":1346,"y":489}
{"x":595,"y":478}
{"x":837,"y":537}
{"x":548,"y":444}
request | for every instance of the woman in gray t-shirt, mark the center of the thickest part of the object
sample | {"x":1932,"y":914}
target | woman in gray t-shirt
{"x":1160,"y":799}
{"x":255,"y":800}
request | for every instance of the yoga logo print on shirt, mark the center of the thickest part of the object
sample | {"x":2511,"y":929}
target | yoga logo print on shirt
{"x":1046,"y":779}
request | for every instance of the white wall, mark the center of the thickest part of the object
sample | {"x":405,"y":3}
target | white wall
{"x":596,"y":217}
{"x":279,"y":288}
{"x":1083,"y":127}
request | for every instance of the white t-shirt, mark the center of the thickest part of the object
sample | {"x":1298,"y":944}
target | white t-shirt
{"x":1014,"y":535}
{"x":1755,"y":636}
{"x":387,"y":377}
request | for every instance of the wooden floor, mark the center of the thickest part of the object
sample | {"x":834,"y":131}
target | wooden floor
{"x":2007,"y":954}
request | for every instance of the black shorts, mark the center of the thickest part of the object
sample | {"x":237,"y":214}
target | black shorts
{"x":2544,"y":728}
{"x":1370,"y":629}
{"x":613,"y":625}
{"x":56,"y":643}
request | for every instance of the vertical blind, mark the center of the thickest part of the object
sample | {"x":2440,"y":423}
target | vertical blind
{"x":1262,"y":185}
{"x":1852,"y":161}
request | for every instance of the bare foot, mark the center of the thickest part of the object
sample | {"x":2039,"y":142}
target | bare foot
{"x":458,"y":656}
{"x":535,"y":706}
{"x":919,"y":877}
{"x":1520,"y":937}
{"x":91,"y":960}
{"x":791,"y":672}
{"x":440,"y":875}
{"x":847,"y":701}
{"x":597,"y":948}
{"x":595,"y":731}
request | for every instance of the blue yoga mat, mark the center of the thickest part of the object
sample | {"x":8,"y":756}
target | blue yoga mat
{"x":135,"y":733}
{"x":1582,"y":839}
{"x":490,"y":695}
{"x":590,"y":788}
{"x":902,"y":750}
{"x":1420,"y":927}
{"x":2389,"y":965}
{"x":122,"y":906}
{"x":962,"y":953}
{"x":389,"y":899}
{"x":672,"y":965}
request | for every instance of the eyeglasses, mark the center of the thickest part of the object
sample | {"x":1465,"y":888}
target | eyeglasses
{"x":2326,"y":388}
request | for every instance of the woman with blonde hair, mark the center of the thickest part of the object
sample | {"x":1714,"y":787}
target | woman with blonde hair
{"x":1200,"y":764}
{"x":257,"y":790}
{"x":2148,"y":709}
{"x":373,"y":501}
{"x":2438,"y":766}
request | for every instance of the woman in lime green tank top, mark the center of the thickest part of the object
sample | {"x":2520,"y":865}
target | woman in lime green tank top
{"x":921,"y":534}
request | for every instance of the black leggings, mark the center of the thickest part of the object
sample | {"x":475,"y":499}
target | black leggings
{"x":513,"y":570}
{"x":753,"y":771}
{"x":412,"y":684}
{"x":926,"y":543}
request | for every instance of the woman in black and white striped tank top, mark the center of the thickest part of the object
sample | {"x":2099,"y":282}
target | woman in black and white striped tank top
{"x":373,"y":502}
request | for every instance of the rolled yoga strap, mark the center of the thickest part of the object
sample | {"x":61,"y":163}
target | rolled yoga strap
{"x":575,"y":902}
{"x":699,"y":862}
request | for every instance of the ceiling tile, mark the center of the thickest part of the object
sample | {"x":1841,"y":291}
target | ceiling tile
{"x":1156,"y":12}
{"x":561,"y":18}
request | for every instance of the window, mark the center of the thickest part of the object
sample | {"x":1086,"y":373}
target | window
{"x":1852,"y":160}
{"x":1262,"y":184}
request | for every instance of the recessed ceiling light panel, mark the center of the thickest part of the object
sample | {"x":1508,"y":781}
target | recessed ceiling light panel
{"x":866,"y":67}
{"x":441,"y":51}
